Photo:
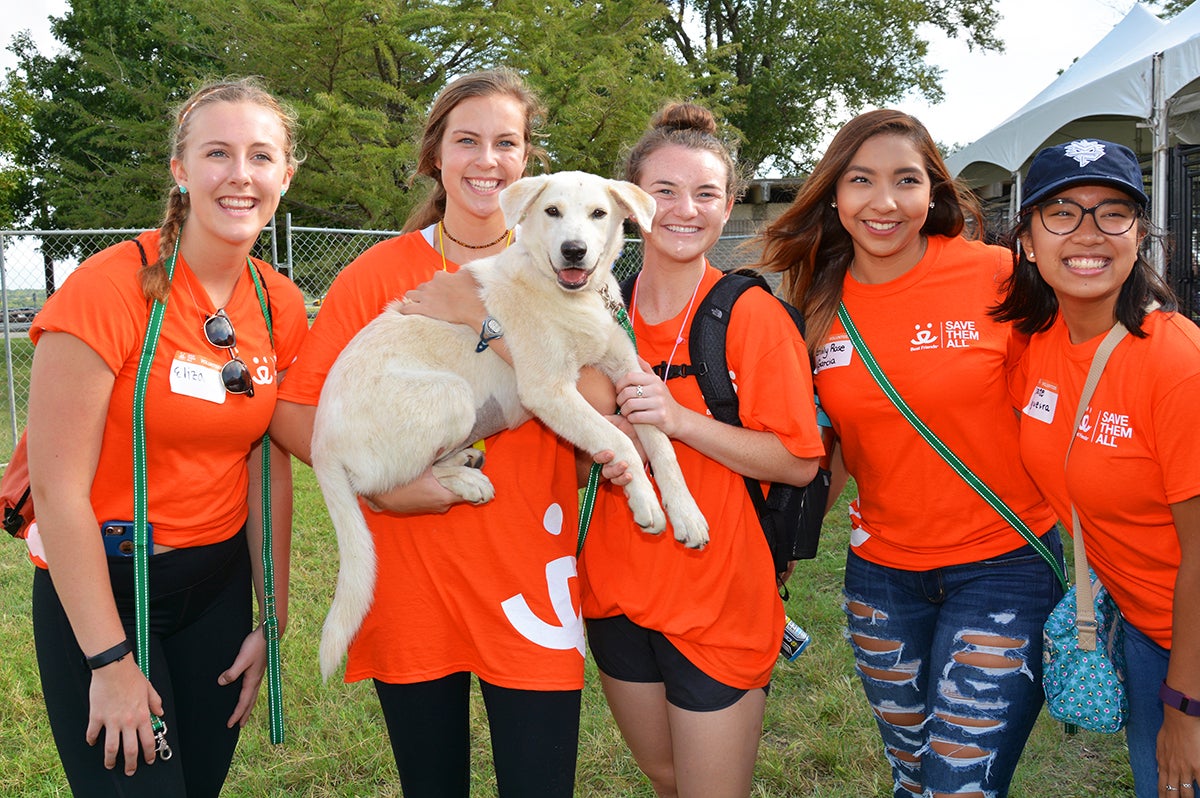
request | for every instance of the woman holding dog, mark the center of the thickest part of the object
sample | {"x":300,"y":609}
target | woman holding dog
{"x":232,"y":158}
{"x":944,"y":600}
{"x":1134,"y":469}
{"x":685,"y":639}
{"x":448,"y":570}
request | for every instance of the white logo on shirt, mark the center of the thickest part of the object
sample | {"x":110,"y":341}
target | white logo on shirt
{"x":945,"y":335}
{"x":1110,"y":429}
{"x":568,"y":632}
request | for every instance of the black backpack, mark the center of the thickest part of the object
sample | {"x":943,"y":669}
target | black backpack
{"x":790,"y":515}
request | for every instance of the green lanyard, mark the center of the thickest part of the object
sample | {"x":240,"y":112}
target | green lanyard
{"x":978,"y":485}
{"x":141,"y":510}
{"x":588,"y":503}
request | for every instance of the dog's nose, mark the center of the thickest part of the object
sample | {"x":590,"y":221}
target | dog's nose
{"x":573,"y":251}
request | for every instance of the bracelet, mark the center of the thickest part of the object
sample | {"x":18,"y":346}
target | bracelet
{"x":109,"y":656}
{"x":1177,"y":700}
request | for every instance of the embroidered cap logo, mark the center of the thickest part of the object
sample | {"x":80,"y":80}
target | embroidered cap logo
{"x":1084,"y":151}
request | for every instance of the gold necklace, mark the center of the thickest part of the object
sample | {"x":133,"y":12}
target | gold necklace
{"x":441,"y":228}
{"x":473,"y":246}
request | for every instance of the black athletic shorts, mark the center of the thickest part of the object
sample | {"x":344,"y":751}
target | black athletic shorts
{"x":632,"y":653}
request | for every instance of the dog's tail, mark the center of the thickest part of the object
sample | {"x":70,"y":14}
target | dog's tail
{"x":356,"y":575}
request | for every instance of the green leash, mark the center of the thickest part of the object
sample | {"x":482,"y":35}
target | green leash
{"x":141,"y":563}
{"x":588,"y":503}
{"x":978,"y":485}
{"x":270,"y":621}
{"x":141,"y":511}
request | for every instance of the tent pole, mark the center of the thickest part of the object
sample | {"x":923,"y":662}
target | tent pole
{"x":1158,"y":164}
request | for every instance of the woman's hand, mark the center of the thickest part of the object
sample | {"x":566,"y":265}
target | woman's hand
{"x":1178,"y":751}
{"x":448,"y":296}
{"x":250,"y":664}
{"x":644,"y":399}
{"x":120,"y":700}
{"x":617,"y":471}
{"x":423,"y":495}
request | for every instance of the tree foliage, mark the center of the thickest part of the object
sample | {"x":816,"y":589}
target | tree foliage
{"x":89,"y":148}
{"x":798,"y":66}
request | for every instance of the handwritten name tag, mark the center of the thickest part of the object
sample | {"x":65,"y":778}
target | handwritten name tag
{"x":198,"y":377}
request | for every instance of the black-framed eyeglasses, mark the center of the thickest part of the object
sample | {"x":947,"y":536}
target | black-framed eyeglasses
{"x":235,"y":374}
{"x":1114,"y":217}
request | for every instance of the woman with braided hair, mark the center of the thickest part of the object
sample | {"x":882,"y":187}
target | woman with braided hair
{"x":231,"y":325}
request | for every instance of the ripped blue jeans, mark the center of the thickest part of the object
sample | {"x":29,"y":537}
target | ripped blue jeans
{"x":951,"y":663}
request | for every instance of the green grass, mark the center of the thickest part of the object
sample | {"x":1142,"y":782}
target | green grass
{"x":819,"y":739}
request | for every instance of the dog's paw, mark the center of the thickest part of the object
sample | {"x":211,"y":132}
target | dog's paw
{"x":470,"y":483}
{"x":469,"y":457}
{"x":690,"y":528}
{"x":647,"y":513}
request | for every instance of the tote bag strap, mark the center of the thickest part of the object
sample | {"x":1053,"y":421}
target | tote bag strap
{"x":1085,"y":606}
{"x":978,"y":485}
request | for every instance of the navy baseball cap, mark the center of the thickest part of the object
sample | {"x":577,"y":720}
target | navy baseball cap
{"x":1083,"y":162}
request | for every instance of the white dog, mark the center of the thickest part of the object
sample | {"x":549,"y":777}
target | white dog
{"x":409,"y":391}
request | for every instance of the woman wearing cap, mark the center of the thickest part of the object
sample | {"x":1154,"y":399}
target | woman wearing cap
{"x":944,"y":600}
{"x":1134,"y":469}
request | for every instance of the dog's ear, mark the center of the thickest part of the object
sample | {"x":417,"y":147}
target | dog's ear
{"x":516,"y":199}
{"x":641,"y":206}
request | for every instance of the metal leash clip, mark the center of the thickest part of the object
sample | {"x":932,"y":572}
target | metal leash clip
{"x":161,"y":747}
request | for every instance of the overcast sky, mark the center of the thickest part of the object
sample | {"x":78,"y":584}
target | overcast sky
{"x":1042,"y":37}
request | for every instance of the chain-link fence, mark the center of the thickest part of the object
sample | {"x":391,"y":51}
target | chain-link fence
{"x":33,"y":263}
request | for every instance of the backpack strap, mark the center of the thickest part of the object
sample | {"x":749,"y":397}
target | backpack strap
{"x":706,"y":343}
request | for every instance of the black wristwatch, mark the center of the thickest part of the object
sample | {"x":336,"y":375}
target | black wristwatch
{"x":490,"y":331}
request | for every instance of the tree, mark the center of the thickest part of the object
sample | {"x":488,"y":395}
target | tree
{"x":797,"y":66}
{"x":16,"y":138}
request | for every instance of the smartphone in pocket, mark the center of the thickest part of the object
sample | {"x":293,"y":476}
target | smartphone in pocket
{"x":118,"y":538}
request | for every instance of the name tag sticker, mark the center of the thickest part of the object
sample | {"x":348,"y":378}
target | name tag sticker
{"x":198,"y":377}
{"x":834,"y":354}
{"x":1042,"y":402}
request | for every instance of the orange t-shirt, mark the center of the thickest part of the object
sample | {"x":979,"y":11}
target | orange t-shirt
{"x":489,"y":589}
{"x":198,"y":439}
{"x":931,"y":335}
{"x":1137,"y":453}
{"x":718,"y":605}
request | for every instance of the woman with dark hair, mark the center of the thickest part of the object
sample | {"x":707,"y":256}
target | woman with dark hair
{"x":233,"y":155}
{"x":1134,"y":470}
{"x":944,"y":600}
{"x":487,"y":590}
{"x":685,"y":639}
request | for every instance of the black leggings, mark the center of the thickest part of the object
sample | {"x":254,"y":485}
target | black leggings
{"x":200,"y":612}
{"x":535,"y":737}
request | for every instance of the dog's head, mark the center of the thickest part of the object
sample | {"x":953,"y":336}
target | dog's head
{"x":574,"y":221}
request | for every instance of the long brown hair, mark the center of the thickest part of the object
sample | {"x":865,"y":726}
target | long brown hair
{"x":155,"y":284}
{"x":685,"y":125}
{"x":490,"y":82}
{"x":808,"y":244}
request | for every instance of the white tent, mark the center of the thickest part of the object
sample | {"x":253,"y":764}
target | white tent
{"x":1140,"y":85}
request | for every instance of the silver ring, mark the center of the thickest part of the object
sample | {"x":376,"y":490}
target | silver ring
{"x":1170,"y":788}
{"x":638,"y":393}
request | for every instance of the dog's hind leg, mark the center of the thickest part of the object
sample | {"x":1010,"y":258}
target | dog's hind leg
{"x":460,"y":473}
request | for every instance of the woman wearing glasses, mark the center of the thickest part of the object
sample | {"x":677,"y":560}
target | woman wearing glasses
{"x":944,"y":600}
{"x":209,"y":398}
{"x":1134,"y":470}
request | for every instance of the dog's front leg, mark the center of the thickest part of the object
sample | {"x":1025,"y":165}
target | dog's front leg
{"x":691,"y":528}
{"x":566,"y":412}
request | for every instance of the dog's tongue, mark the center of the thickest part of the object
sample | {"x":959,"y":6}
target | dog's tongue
{"x":572,"y":276}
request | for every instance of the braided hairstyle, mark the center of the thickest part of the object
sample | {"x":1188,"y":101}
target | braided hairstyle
{"x":155,"y":284}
